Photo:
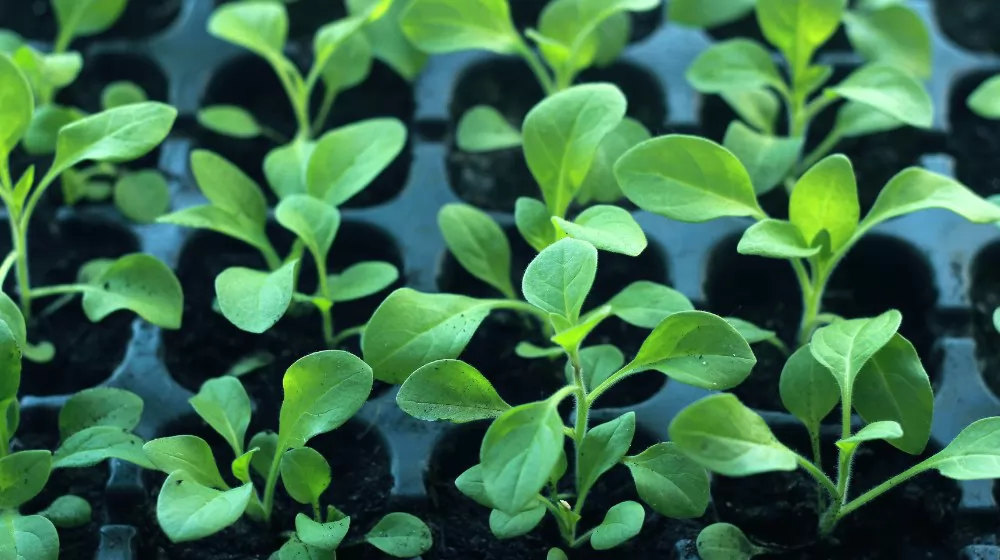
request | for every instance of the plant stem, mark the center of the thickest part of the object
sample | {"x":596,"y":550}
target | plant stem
{"x":544,"y":79}
{"x":23,"y":277}
{"x":59,"y":290}
{"x":825,"y":147}
{"x":8,"y":263}
{"x":882,"y":489}
{"x":272,"y":480}
{"x":580,"y":431}
{"x":348,"y":333}
{"x":818,"y":461}
{"x":326,"y":309}
{"x":818,"y":474}
{"x":329,"y":96}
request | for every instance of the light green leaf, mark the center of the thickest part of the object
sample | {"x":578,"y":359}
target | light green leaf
{"x":305,"y":474}
{"x":295,"y":549}
{"x":228,"y":188}
{"x":287,"y":167}
{"x":411,"y":329}
{"x":118,"y":94}
{"x":845,"y":347}
{"x":570,"y":336}
{"x":442,"y":26}
{"x":799,"y":27}
{"x":326,"y":536}
{"x":768,"y":159}
{"x":530,"y":351}
{"x":261,"y":27}
{"x":556,"y":554}
{"x":686,"y":178}
{"x":602,"y":448}
{"x":622,"y":523}
{"x":478,"y":244}
{"x":142,"y":196}
{"x":858,"y":119}
{"x":600,"y":184}
{"x":471,"y":484}
{"x":313,"y":221}
{"x":28,"y":537}
{"x":90,"y":446}
{"x":891,"y":91}
{"x":362,"y":280}
{"x":401,"y":535}
{"x":240,"y":467}
{"x":387,"y":39}
{"x":985,"y":100}
{"x":825,"y":198}
{"x":916,"y":189}
{"x":707,"y":13}
{"x":669,"y":482}
{"x":534,"y":223}
{"x":322,"y":391}
{"x":450,"y":390}
{"x":139,"y":283}
{"x":758,"y":107}
{"x":722,"y":541}
{"x":736,"y":64}
{"x":254,"y":300}
{"x":348,"y":64}
{"x":190,"y":454}
{"x":229,"y":120}
{"x":224,"y":405}
{"x":612,"y":35}
{"x":885,"y":430}
{"x":646,"y":304}
{"x":776,"y":239}
{"x":43,"y":132}
{"x":68,"y":512}
{"x":609,"y":228}
{"x":807,"y":388}
{"x":99,"y":406}
{"x":895,"y":35}
{"x":484,"y":129}
{"x":724,"y":436}
{"x":267,"y":443}
{"x":571,"y":27}
{"x":22,"y":476}
{"x":598,"y":363}
{"x":560,"y":277}
{"x":974,"y":454}
{"x":188,"y":511}
{"x":504,"y":526}
{"x":87,"y":17}
{"x":347,"y":159}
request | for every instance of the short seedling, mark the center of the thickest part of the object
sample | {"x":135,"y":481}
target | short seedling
{"x":866,"y":367}
{"x":255,"y":300}
{"x":880,"y":96}
{"x":572,"y":36}
{"x":706,"y":181}
{"x":322,"y":392}
{"x":136,"y":282}
{"x":522,"y":458}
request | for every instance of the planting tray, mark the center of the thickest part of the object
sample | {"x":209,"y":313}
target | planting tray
{"x":942,"y":273}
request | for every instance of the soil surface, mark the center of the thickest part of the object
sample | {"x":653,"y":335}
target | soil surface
{"x":970,"y":23}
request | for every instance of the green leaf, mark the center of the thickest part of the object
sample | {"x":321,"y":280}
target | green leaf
{"x":18,"y":105}
{"x":724,"y":436}
{"x":768,"y":159}
{"x":261,"y":27}
{"x":411,"y":329}
{"x":117,"y":135}
{"x":895,"y":35}
{"x":450,"y":390}
{"x":229,"y":120}
{"x":142,"y":196}
{"x":602,"y":448}
{"x":530,"y":351}
{"x":556,"y":554}
{"x":100,"y":406}
{"x":254,"y":300}
{"x":313,"y":221}
{"x":807,"y":388}
{"x":598,"y":363}
{"x":188,"y":511}
{"x":240,"y":466}
{"x":322,"y":391}
{"x":696,"y":348}
{"x":362,"y":280}
{"x":646,"y":304}
{"x":722,"y":541}
{"x":347,"y":159}
{"x":561,"y":137}
{"x":90,"y":17}
{"x":613,"y":35}
{"x":570,"y":336}
{"x":534,"y":223}
{"x":90,"y":446}
{"x":755,"y":334}
{"x":985,"y":100}
{"x":471,"y":484}
{"x":600,"y":184}
{"x":504,"y":526}
{"x":893,"y":385}
{"x":401,"y":535}
{"x":28,"y":537}
{"x":305,"y":474}
{"x":519,"y":451}
{"x":686,"y":178}
{"x":443,"y":26}
{"x":891,"y":91}
{"x":916,"y":189}
{"x":571,"y":27}
{"x":484,"y":129}
{"x":190,"y":454}
{"x":707,"y":13}
{"x":826,"y":199}
{"x":43,"y":132}
{"x":267,"y":443}
{"x":388,"y":41}
{"x":560,"y":277}
{"x":734,"y":65}
{"x":139,"y":283}
{"x":22,"y":476}
{"x":974,"y":454}
{"x":885,"y":430}
{"x":224,"y":405}
{"x":118,"y":94}
{"x":799,"y":27}
{"x":845,"y":347}
{"x":758,"y":107}
{"x":609,"y":228}
{"x":68,"y":512}
{"x":295,"y":549}
{"x":287,"y":167}
{"x":348,"y":64}
{"x":776,"y":239}
{"x":622,"y":523}
{"x":478,"y":244}
{"x":326,"y":536}
{"x":669,"y":482}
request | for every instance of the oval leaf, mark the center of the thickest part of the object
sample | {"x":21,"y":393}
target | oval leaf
{"x":722,"y":541}
{"x":190,"y":454}
{"x":253,"y":300}
{"x":646,"y":304}
{"x":917,"y":189}
{"x":188,"y":511}
{"x":442,"y":26}
{"x":362,"y":280}
{"x":776,"y":239}
{"x":478,"y":244}
{"x":974,"y":454}
{"x":826,"y":199}
{"x":450,"y":390}
{"x":401,"y":535}
{"x":224,"y":405}
{"x":313,"y":221}
{"x":807,"y":388}
{"x":18,"y":105}
{"x":560,"y":277}
{"x":322,"y":391}
{"x":261,"y":27}
{"x":734,"y":65}
{"x":347,"y":159}
{"x":305,"y":474}
{"x":484,"y":129}
{"x":602,"y":448}
{"x":139,"y":283}
{"x":100,"y":406}
{"x":22,"y":476}
{"x":327,"y":536}
{"x":891,"y":91}
{"x":609,"y":228}
{"x":844,"y":347}
{"x":622,"y":522}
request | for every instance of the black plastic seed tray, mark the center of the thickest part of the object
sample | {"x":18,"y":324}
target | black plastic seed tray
{"x":942,"y":273}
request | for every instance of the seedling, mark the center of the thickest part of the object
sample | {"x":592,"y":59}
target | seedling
{"x":522,"y":458}
{"x":879,"y":96}
{"x":572,"y":36}
{"x":867,"y":367}
{"x":706,"y":181}
{"x":94,"y":425}
{"x":255,"y":300}
{"x":136,"y":282}
{"x":985,"y":100}
{"x":322,"y":391}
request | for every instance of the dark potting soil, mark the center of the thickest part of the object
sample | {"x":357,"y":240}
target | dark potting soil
{"x":359,"y":460}
{"x":914,"y":520}
{"x":880,"y":273}
{"x":985,"y":296}
{"x":34,"y":19}
{"x":495,"y":180}
{"x":974,"y":139}
{"x":86,"y":353}
{"x":192,"y":362}
{"x":250,"y":83}
{"x":969,"y":23}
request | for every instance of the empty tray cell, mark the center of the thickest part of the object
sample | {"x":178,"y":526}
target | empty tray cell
{"x":985,"y":296}
{"x":969,"y":23}
{"x":975,"y":140}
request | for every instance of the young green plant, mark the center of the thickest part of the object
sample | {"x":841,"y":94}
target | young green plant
{"x":879,"y":96}
{"x":522,"y":458}
{"x":136,"y":282}
{"x":322,"y":391}
{"x":254,"y":300}
{"x":572,"y":36}
{"x":705,"y":181}
{"x":866,"y":367}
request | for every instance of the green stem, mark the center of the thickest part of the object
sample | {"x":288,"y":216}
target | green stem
{"x":580,"y":431}
{"x":348,"y":333}
{"x":8,"y":263}
{"x":329,"y":96}
{"x":819,"y":475}
{"x":870,"y":495}
{"x":272,"y":481}
{"x":59,"y":290}
{"x":817,"y":460}
{"x":535,"y":63}
{"x":326,"y":309}
{"x":23,"y":277}
{"x":824,"y":148}
{"x":270,"y":256}
{"x":295,"y":97}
